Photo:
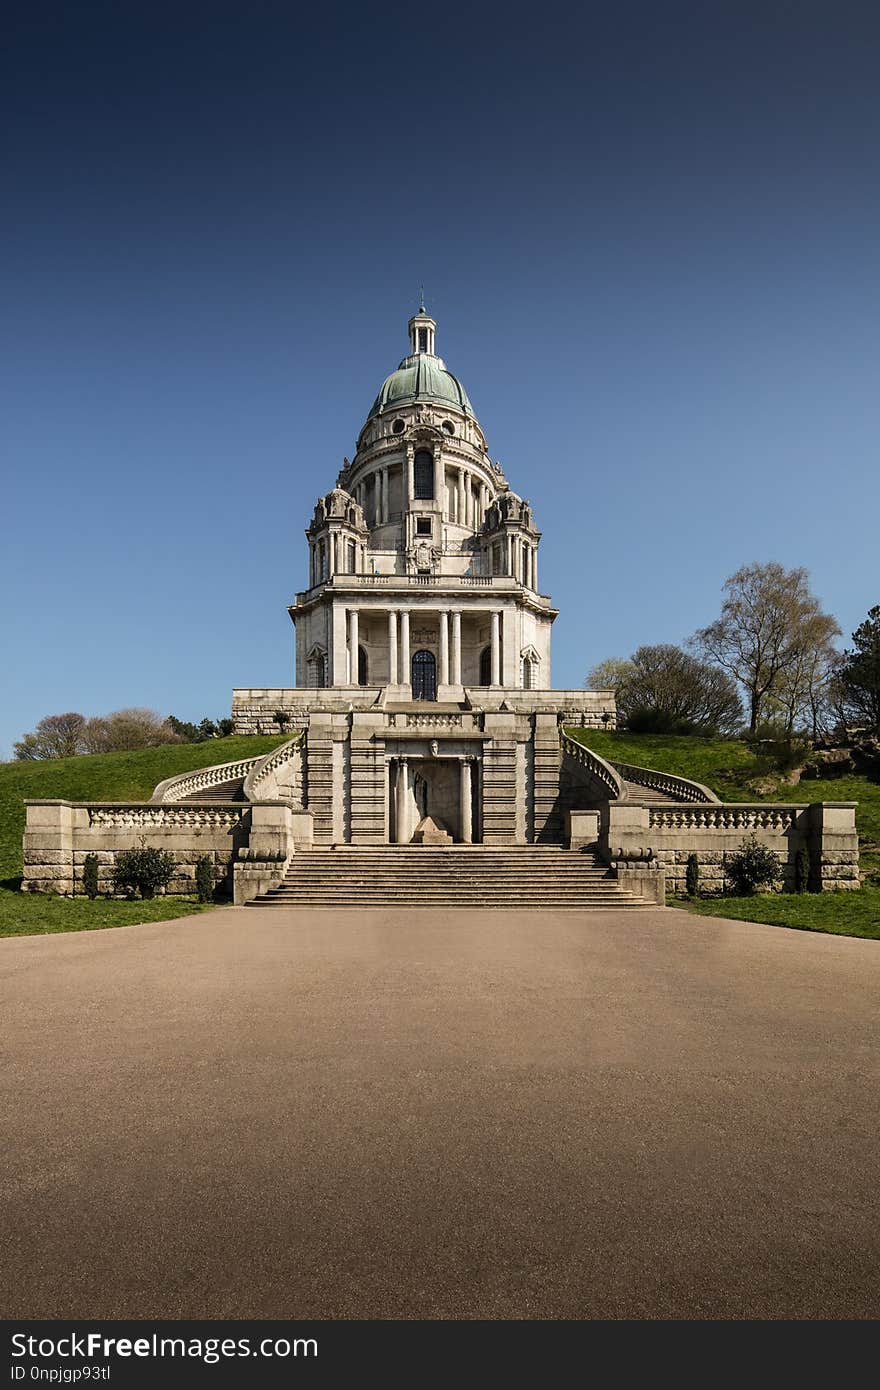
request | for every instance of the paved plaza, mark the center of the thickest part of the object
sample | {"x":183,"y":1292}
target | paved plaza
{"x":276,"y":1113}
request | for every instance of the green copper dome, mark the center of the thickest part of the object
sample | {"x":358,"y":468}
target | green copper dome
{"x":421,"y":378}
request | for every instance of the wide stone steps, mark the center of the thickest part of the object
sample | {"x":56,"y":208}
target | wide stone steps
{"x":232,"y":790}
{"x":637,"y":795}
{"x":473,"y":877}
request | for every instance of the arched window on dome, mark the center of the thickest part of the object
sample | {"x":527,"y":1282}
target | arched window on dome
{"x":423,"y":475}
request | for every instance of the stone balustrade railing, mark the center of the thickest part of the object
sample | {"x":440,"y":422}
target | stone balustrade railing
{"x":591,"y":764}
{"x":733,"y":815}
{"x":682,"y":788}
{"x":261,"y":782}
{"x":148,"y":815}
{"x":189,"y":783}
{"x":433,"y":721}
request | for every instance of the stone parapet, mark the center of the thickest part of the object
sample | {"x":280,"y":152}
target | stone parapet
{"x":669,"y":835}
{"x":60,"y":834}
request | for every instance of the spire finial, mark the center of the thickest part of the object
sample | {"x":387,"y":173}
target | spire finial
{"x":421,"y":299}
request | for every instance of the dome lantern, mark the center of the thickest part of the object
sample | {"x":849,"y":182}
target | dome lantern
{"x":422,"y":330}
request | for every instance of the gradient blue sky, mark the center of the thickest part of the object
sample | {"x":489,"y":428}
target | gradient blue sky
{"x":649,"y":233}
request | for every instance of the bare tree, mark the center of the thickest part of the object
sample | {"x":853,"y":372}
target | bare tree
{"x":662,"y":689}
{"x":125,"y":729}
{"x":56,"y":736}
{"x":769,"y":620}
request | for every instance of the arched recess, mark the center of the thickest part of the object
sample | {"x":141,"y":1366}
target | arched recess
{"x":316,"y":669}
{"x":530,"y":665}
{"x":486,"y":666}
{"x":424,"y":675}
{"x":363,"y":667}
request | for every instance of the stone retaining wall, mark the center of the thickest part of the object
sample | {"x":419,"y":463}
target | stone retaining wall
{"x":59,"y":835}
{"x":670,"y":834}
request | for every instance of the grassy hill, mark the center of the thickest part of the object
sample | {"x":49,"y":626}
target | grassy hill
{"x":101,"y":777}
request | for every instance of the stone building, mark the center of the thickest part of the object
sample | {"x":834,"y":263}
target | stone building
{"x":423,"y":716}
{"x":423,"y":671}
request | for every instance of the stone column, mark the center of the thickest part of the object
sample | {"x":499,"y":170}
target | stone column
{"x":403,"y":830}
{"x":460,"y":508}
{"x":408,"y":472}
{"x":405,"y":672}
{"x":352,"y":646}
{"x":439,"y":470}
{"x":466,"y":805}
{"x":496,"y":648}
{"x":339,"y":651}
{"x":444,"y":648}
{"x":456,"y":647}
{"x":535,"y":568}
{"x":392,"y":647}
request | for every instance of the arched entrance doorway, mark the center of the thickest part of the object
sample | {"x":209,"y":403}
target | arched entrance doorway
{"x":362,"y":667}
{"x":424,"y":676}
{"x":486,"y":666}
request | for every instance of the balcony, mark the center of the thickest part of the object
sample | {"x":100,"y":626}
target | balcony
{"x":402,"y":583}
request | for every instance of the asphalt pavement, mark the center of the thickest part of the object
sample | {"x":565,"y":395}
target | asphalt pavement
{"x":263,"y":1113}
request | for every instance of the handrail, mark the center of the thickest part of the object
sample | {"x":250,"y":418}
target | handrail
{"x":682,"y":788}
{"x":175,"y":788}
{"x":597,"y":767}
{"x":269,"y":763}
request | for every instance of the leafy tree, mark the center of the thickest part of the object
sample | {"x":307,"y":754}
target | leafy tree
{"x":56,"y":736}
{"x":859,"y":673}
{"x":769,"y":621}
{"x":662,"y":689}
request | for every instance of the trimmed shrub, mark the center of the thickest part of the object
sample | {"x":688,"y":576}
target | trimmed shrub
{"x":281,"y":718}
{"x":143,"y":871}
{"x":205,"y":878}
{"x":802,"y":870}
{"x":753,"y":866}
{"x":692,"y":877}
{"x":90,"y":876}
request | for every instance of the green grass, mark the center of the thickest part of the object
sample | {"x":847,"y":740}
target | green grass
{"x":35,"y":914}
{"x":101,"y":777}
{"x":725,"y":765}
{"x":841,"y":914}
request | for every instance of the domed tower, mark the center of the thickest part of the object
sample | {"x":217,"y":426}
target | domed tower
{"x":423,"y":563}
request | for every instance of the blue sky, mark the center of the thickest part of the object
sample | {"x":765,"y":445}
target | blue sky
{"x":648,"y":233}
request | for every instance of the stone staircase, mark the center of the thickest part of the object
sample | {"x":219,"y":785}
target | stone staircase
{"x":477,"y":877}
{"x":233,"y":790}
{"x":637,"y":795}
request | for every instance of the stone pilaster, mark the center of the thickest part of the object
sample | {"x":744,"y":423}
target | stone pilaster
{"x":499,"y":779}
{"x":547,"y":814}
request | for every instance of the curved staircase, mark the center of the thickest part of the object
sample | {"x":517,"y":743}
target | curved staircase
{"x":232,"y":790}
{"x":474,"y":877}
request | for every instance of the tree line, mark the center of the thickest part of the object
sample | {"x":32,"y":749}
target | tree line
{"x":72,"y":734}
{"x":768,"y":659}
